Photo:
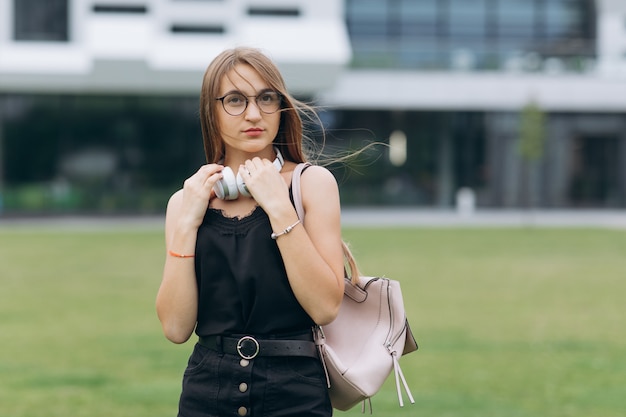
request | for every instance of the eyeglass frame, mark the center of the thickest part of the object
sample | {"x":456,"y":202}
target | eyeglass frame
{"x":269,"y":90}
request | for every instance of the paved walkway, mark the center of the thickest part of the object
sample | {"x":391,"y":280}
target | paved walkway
{"x":486,"y":218}
{"x":363,"y":217}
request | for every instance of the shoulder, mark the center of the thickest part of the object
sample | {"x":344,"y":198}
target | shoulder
{"x":317,"y":176}
{"x":319,"y":190}
{"x":175,"y":201}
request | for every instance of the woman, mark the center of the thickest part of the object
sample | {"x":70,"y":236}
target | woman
{"x":244,"y":273}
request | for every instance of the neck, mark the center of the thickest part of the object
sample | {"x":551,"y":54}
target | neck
{"x":234,"y":158}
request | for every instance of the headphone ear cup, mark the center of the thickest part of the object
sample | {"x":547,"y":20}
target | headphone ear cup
{"x":226,"y":188}
{"x":241,"y":186}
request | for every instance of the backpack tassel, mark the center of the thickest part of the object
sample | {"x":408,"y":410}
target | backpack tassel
{"x":400,"y":376}
{"x":369,"y":400}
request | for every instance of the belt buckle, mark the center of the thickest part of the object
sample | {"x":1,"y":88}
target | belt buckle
{"x":248,"y":344}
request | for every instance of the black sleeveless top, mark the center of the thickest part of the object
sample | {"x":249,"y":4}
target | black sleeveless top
{"x":242,"y":282}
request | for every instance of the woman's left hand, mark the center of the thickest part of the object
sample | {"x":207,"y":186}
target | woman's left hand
{"x":264,"y":183}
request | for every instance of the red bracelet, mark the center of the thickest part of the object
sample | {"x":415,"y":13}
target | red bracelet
{"x":178,"y":255}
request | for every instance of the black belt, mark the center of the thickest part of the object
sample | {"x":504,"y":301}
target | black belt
{"x":249,"y":347}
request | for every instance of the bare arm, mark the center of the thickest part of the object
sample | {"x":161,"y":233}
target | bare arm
{"x":177,"y":299}
{"x":312,"y":254}
{"x":315,"y":265}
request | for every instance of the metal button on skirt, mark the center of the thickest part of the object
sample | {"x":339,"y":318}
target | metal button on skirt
{"x":217,"y":385}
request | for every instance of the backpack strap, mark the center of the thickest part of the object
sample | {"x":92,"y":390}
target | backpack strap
{"x":296,"y":190}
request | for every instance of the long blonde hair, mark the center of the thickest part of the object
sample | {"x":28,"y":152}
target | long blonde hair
{"x":351,"y":269}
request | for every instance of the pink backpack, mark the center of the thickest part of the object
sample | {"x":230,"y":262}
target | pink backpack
{"x":362,"y":346}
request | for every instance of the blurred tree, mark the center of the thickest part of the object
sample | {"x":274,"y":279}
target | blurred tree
{"x":531,"y":147}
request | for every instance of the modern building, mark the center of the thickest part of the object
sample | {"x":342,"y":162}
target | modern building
{"x":454,"y":78}
{"x":516,"y":102}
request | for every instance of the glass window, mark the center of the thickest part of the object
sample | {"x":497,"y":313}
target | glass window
{"x":563,"y":19}
{"x":366,"y":9}
{"x":367,"y":29}
{"x":422,"y":53}
{"x":416,"y":8}
{"x":516,"y":19}
{"x":418,"y":18}
{"x":366,"y":18}
{"x":467,"y":18}
{"x":41,"y":20}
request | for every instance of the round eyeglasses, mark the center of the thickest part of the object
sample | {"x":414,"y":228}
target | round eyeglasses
{"x":236,"y":103}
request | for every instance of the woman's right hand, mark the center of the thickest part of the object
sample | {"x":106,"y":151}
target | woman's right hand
{"x":197,"y":191}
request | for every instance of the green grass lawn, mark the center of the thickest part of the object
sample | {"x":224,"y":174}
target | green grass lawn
{"x":510,"y":322}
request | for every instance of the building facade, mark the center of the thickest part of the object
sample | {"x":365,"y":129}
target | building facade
{"x":520,"y":102}
{"x":456,"y":77}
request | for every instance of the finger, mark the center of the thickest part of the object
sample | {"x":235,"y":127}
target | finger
{"x":207,"y":171}
{"x":212,"y":179}
{"x":250,"y":166}
{"x":244,"y":171}
{"x":205,"y":176}
{"x":268,"y":163}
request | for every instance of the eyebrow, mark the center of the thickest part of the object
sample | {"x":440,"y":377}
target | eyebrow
{"x":265,"y":90}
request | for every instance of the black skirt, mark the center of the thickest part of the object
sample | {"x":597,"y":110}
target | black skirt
{"x":219,"y":384}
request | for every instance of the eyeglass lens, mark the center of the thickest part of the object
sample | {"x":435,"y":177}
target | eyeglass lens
{"x":236,"y":103}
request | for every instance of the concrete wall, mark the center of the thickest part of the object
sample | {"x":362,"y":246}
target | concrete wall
{"x":166,"y":48}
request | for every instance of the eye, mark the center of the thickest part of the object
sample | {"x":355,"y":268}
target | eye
{"x":268,"y":97}
{"x":234,"y":99}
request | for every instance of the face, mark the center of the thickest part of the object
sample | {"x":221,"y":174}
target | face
{"x":253,"y":130}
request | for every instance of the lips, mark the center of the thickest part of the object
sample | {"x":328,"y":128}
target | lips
{"x":254,"y":132}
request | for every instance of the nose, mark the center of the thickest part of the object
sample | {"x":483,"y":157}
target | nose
{"x":252,"y":111}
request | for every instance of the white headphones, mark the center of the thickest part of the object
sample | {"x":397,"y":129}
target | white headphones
{"x":229,"y":187}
